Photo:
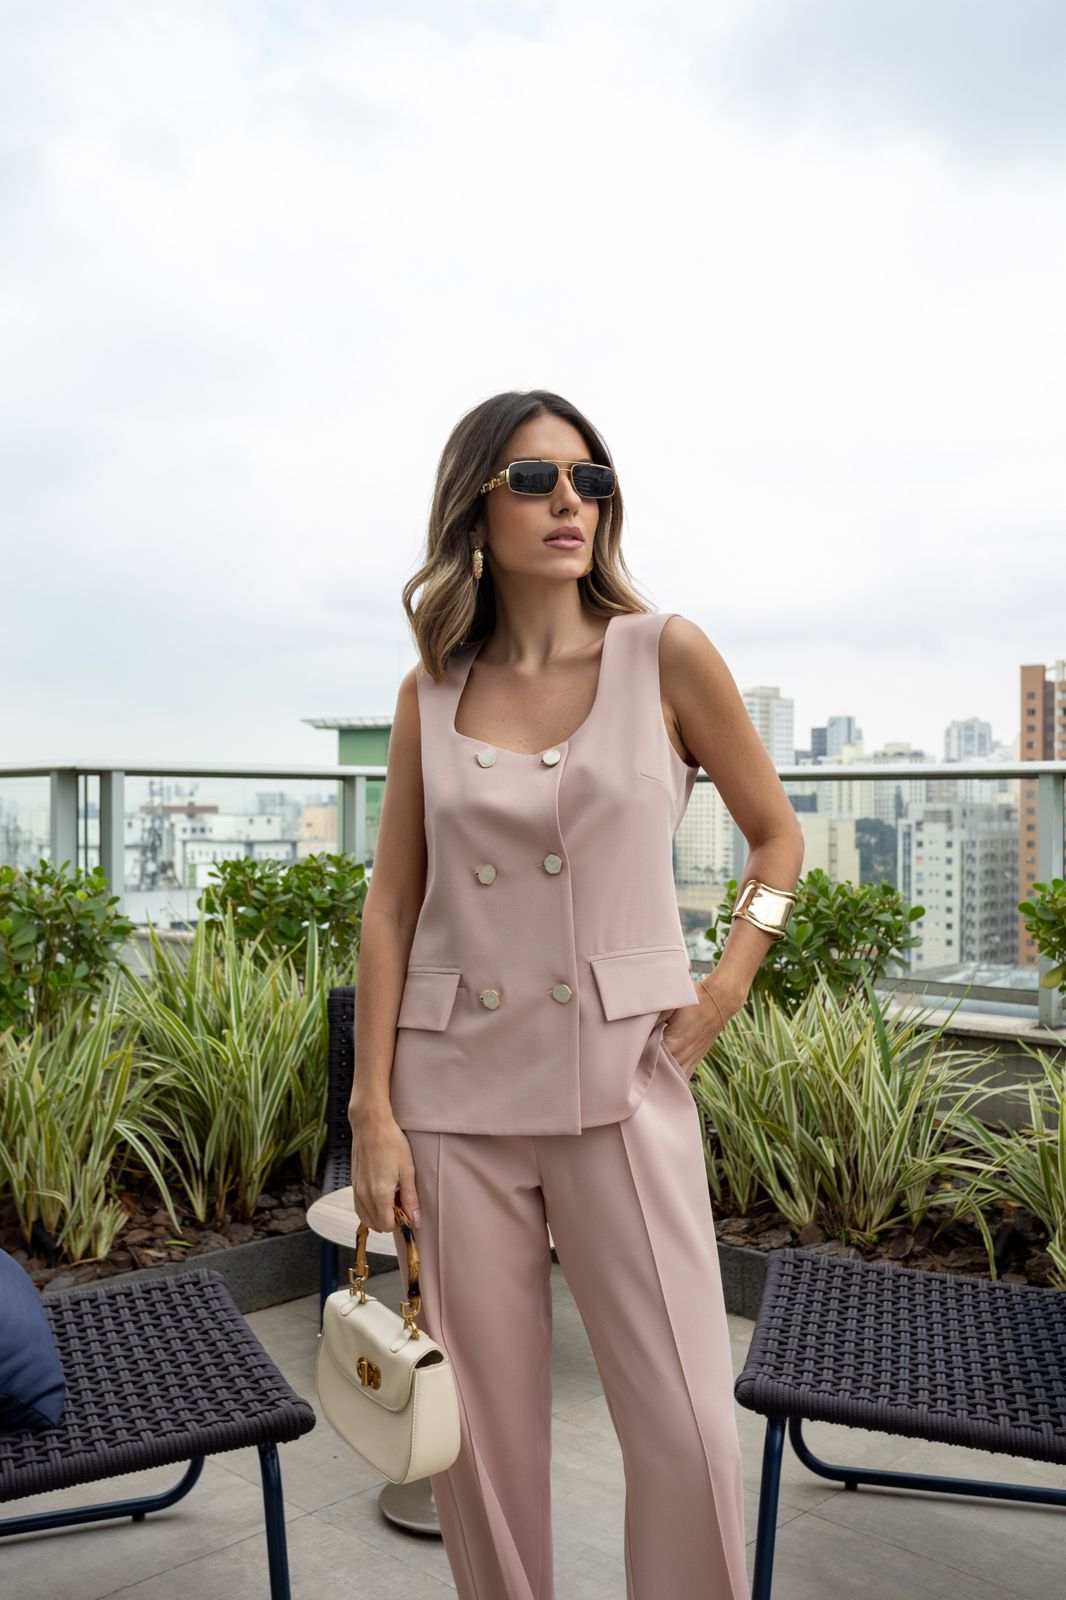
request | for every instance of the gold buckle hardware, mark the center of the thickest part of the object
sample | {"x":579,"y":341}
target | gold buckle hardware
{"x":369,"y":1374}
{"x":410,"y":1309}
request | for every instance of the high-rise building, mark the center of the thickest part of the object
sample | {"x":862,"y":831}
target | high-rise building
{"x":839,"y":732}
{"x":882,"y":799}
{"x":705,"y":846}
{"x":969,"y":740}
{"x":958,"y":860}
{"x":1043,"y":738}
{"x":830,"y":843}
{"x":773,"y":717}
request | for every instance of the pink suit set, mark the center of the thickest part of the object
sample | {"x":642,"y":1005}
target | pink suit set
{"x":534,"y":1088}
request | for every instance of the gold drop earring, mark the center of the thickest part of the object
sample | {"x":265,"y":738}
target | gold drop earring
{"x":478,"y":564}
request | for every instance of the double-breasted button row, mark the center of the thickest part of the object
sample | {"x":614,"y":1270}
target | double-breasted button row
{"x":490,"y":998}
{"x":551,"y":863}
{"x":486,"y":757}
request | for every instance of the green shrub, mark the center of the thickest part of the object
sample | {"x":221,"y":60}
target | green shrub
{"x":237,"y":1050}
{"x":274,"y":903}
{"x":74,"y":1110}
{"x":1045,"y":922}
{"x":61,"y":936}
{"x":836,"y":1113}
{"x":838,"y":932}
{"x":1027,"y":1166}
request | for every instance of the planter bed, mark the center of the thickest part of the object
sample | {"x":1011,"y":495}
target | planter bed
{"x":270,"y":1259}
{"x":275,"y":1258}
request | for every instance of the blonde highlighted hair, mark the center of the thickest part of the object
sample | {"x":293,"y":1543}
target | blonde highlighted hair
{"x":454,"y":610}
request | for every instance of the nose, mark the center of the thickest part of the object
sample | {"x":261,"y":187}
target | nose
{"x":566,"y":497}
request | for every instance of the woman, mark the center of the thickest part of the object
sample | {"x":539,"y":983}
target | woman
{"x":526,"y":1020}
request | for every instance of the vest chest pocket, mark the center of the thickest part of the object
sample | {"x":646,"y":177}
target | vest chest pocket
{"x":650,"y":978}
{"x":428,"y":997}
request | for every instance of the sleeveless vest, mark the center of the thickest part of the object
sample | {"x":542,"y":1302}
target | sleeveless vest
{"x":549,"y":936}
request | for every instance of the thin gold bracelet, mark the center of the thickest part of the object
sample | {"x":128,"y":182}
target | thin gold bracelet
{"x":714,"y":1002}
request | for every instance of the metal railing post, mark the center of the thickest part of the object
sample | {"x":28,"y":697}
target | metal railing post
{"x":63,"y":816}
{"x":113,"y":831}
{"x":1051,"y":789}
{"x":353,"y":816}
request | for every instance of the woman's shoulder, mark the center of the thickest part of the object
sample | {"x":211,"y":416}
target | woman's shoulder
{"x":684,"y":649}
{"x":672,"y":625}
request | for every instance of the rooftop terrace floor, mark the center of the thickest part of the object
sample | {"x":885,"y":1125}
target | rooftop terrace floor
{"x":880,"y":1544}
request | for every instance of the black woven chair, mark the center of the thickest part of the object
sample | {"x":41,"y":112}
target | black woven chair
{"x":930,"y":1355}
{"x":337,"y":1172}
{"x":159,"y":1372}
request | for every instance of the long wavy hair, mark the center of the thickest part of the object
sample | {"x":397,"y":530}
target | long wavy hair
{"x":453,"y":609}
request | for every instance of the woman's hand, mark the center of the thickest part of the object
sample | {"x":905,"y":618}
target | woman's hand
{"x":698,"y":1025}
{"x":383,"y":1172}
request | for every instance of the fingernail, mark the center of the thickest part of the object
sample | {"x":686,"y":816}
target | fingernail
{"x":416,"y":1217}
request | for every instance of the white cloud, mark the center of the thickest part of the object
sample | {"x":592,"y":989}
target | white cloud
{"x":257,"y":260}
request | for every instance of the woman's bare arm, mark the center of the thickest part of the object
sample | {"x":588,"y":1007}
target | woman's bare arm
{"x":715,"y":727}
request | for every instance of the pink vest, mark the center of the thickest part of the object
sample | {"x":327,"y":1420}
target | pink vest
{"x":549,"y":937}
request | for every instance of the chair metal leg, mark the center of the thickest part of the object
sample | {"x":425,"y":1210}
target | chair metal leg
{"x":851,"y":1477}
{"x":328,"y":1272}
{"x":138,"y":1509}
{"x":769,"y":1485}
{"x":274,"y":1509}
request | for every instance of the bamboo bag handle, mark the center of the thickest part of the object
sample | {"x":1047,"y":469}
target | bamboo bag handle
{"x":358,"y":1274}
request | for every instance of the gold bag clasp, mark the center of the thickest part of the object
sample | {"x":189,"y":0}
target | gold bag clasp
{"x":369,"y":1373}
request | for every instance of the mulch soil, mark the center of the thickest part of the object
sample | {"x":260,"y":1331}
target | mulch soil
{"x":1020,"y":1243}
{"x":149,"y":1237}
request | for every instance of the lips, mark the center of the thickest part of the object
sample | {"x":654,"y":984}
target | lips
{"x":566,"y":541}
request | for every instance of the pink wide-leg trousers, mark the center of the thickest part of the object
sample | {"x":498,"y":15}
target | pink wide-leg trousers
{"x":630,"y":1216}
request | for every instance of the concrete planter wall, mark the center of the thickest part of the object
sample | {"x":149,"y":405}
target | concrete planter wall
{"x":262,"y":1273}
{"x":270,"y":1271}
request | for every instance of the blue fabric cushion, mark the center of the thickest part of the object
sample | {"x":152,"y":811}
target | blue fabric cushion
{"x":33,"y":1390}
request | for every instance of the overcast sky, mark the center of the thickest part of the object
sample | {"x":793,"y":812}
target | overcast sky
{"x":801,"y":261}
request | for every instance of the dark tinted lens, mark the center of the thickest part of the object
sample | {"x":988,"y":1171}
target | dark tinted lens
{"x":533,"y":477}
{"x":592,"y":482}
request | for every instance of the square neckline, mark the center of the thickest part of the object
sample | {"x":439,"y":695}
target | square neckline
{"x":560,"y":744}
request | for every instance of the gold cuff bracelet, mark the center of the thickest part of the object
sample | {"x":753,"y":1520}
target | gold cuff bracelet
{"x":766,"y":908}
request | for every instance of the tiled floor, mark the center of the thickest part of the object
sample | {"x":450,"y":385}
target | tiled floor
{"x":877,"y":1544}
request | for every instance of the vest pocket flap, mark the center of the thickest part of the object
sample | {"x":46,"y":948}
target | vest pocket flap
{"x":633,"y":982}
{"x":428,"y":997}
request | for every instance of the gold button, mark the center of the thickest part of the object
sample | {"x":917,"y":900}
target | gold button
{"x":486,"y":757}
{"x":550,"y":757}
{"x":490,"y":998}
{"x":553,"y":863}
{"x":561,"y":992}
{"x":487,"y":873}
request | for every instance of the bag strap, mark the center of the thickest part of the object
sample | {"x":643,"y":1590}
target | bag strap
{"x":358,"y":1274}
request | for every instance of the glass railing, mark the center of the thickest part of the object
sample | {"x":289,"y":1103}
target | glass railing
{"x":963,"y":839}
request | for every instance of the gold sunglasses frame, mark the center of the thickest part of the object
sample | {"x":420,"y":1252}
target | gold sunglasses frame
{"x":564,"y":466}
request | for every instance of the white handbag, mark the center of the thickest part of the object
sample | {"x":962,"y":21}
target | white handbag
{"x":383,"y":1384}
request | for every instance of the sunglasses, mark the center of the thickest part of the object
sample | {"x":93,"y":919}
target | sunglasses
{"x":590,"y":481}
